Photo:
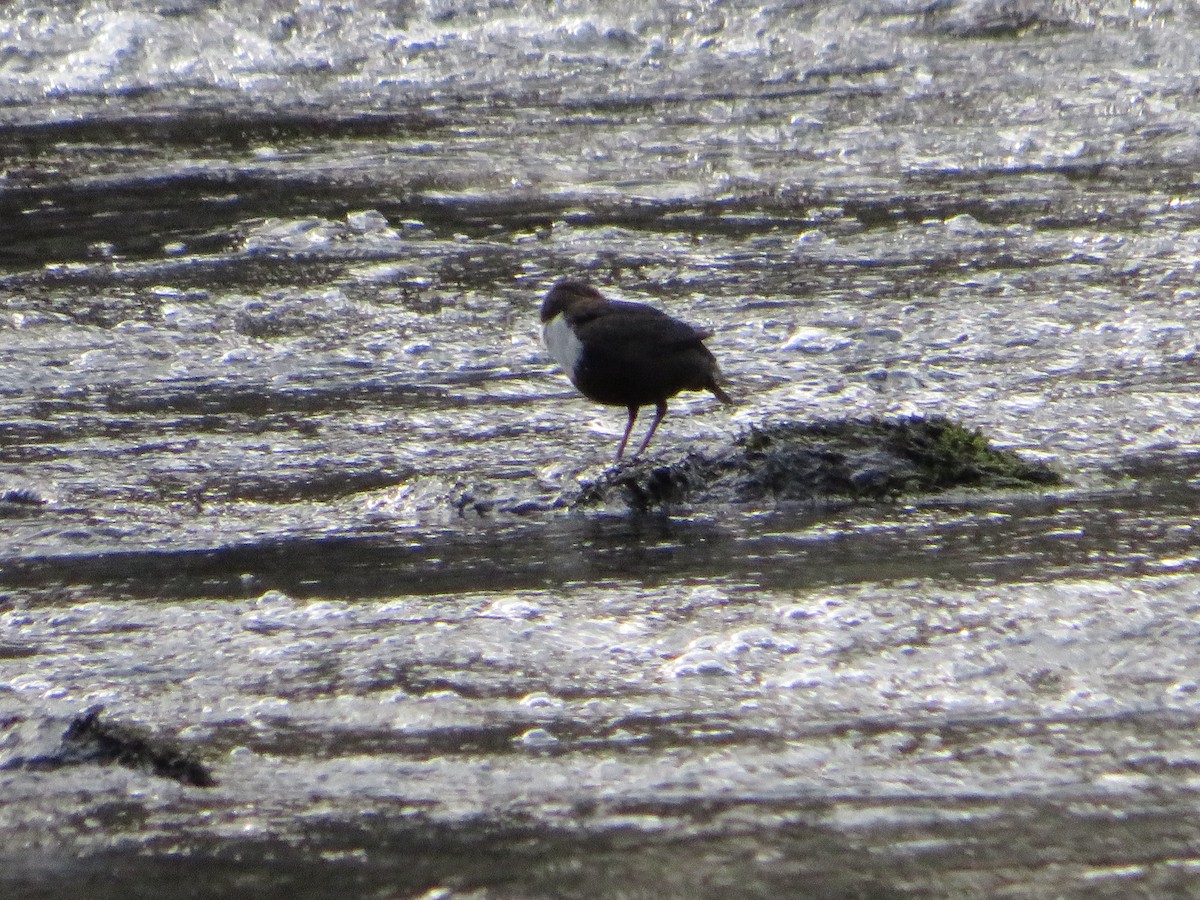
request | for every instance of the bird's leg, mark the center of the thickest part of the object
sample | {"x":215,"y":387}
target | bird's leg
{"x":633,"y":411}
{"x":660,"y":410}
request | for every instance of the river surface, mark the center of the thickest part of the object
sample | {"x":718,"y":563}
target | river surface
{"x":282,"y":456}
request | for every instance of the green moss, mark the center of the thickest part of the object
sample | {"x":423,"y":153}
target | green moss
{"x":951,"y":455}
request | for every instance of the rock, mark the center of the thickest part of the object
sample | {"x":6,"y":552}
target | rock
{"x":848,"y":458}
{"x":88,"y":739}
{"x":16,"y":502}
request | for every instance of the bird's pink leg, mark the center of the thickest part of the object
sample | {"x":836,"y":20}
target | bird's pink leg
{"x":633,"y":411}
{"x":660,"y":410}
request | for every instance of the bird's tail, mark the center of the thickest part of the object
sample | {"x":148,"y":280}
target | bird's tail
{"x":719,"y":392}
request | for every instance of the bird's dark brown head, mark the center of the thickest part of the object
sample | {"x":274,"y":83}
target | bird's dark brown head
{"x":566,"y":295}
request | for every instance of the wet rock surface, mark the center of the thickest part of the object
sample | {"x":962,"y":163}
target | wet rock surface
{"x":19,"y":502}
{"x":90,"y":739}
{"x":859,"y":459}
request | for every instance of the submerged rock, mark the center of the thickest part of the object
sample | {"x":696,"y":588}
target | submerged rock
{"x":88,"y":739}
{"x":848,"y":458}
{"x":16,"y":502}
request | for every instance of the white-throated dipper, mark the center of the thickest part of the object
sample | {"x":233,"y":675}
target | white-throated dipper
{"x":626,"y":354}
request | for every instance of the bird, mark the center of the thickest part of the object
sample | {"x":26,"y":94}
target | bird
{"x":620,"y":353}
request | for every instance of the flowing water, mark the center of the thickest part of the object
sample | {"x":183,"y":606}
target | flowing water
{"x":281,"y":453}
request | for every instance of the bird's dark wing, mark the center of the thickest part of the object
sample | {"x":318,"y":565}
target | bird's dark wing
{"x":621,"y":320}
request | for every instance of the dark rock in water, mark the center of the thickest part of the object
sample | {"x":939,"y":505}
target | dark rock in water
{"x":90,"y":740}
{"x":19,"y":502}
{"x":848,"y":458}
{"x":994,"y":18}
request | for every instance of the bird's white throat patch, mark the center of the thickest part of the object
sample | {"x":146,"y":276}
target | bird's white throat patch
{"x":562,"y":344}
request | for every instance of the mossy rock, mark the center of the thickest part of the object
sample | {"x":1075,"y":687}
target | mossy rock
{"x":848,"y":458}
